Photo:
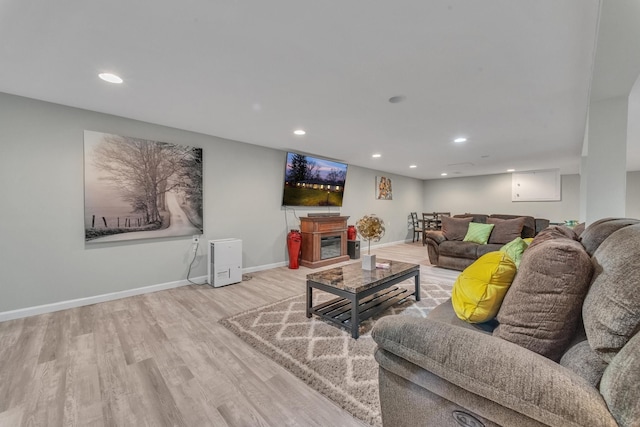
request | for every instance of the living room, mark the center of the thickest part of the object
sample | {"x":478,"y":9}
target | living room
{"x":44,"y":210}
{"x":47,"y":265}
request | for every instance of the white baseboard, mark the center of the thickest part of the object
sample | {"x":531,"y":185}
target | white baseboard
{"x":264,"y":267}
{"x":79,"y":302}
{"x":382,"y":245}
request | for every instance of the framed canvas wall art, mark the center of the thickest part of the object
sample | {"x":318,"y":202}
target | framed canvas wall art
{"x":383,"y":188}
{"x":140,"y":189}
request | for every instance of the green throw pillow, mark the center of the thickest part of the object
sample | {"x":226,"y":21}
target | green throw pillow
{"x":514,"y":249}
{"x":478,"y":233}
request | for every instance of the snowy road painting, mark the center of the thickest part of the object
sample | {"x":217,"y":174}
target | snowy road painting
{"x":140,"y":189}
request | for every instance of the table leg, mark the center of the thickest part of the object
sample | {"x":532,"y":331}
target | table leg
{"x":355,"y":317}
{"x":309,"y":299}
{"x":417,"y":294}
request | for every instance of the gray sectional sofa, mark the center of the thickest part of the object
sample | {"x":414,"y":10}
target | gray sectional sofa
{"x":566,"y":351}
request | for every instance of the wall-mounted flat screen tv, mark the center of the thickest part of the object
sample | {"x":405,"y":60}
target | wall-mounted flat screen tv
{"x":313,"y":181}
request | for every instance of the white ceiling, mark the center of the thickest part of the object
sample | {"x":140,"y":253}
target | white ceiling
{"x":513,"y":76}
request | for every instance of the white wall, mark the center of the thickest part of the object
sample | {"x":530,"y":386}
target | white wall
{"x":604,"y":171}
{"x":633,"y":195}
{"x":360,"y":200}
{"x":43,"y":256}
{"x":491,"y":194}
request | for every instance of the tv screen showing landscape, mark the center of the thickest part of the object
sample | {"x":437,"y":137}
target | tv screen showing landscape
{"x":313,"y":181}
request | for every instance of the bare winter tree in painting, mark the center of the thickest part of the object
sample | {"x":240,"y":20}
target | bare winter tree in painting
{"x":160,"y":183}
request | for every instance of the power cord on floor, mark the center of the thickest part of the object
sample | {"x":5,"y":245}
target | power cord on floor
{"x":195,"y":254}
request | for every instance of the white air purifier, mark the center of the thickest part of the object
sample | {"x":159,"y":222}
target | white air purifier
{"x":225,"y":262}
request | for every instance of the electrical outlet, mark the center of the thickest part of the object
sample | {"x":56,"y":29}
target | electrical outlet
{"x":195,"y":239}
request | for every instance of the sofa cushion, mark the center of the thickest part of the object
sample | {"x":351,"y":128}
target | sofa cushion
{"x":479,"y":290}
{"x":455,"y":228}
{"x":529,"y":228}
{"x":611,"y":309}
{"x":596,"y":232}
{"x":505,"y":230}
{"x":620,"y":385}
{"x":514,"y":249}
{"x":540,"y":224}
{"x":485,"y":249}
{"x":554,"y":232}
{"x":459,"y":249}
{"x":542,"y":308}
{"x":585,"y":362}
{"x":444,"y":312}
{"x":478,"y":233}
{"x":481,"y":218}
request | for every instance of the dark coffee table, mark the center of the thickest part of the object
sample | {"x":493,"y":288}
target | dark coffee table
{"x":361,"y":293}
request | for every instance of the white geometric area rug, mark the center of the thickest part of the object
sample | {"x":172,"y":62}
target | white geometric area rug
{"x":324,"y":355}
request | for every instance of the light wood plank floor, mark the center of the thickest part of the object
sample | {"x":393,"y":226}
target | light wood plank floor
{"x":162,"y":359}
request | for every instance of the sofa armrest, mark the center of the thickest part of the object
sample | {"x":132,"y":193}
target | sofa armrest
{"x":495,"y":369}
{"x":432,"y":239}
{"x":437,"y":236}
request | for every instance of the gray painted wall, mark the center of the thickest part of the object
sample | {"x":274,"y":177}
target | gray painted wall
{"x":633,"y":195}
{"x":491,"y":194}
{"x":43,"y":256}
{"x":603,"y":174}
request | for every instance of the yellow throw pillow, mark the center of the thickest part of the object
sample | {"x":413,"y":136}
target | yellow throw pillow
{"x":479,"y":290}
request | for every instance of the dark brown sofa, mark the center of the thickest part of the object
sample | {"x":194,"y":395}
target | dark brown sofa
{"x":446,"y":248}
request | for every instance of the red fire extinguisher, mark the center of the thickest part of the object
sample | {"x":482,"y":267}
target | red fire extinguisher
{"x":294,"y":241}
{"x":351,"y":232}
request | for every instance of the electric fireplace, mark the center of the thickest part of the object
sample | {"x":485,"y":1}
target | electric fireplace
{"x":324,"y":240}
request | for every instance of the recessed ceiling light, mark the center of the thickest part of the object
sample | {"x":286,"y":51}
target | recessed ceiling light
{"x":413,"y":166}
{"x":511,"y":170}
{"x":111,"y":78}
{"x":397,"y":98}
{"x":299,"y":132}
{"x":443,"y":174}
{"x":375,"y":156}
{"x":460,"y":140}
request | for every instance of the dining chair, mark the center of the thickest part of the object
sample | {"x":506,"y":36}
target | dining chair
{"x":428,"y":223}
{"x":428,"y":220}
{"x":417,"y":229}
{"x":438,"y":219}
